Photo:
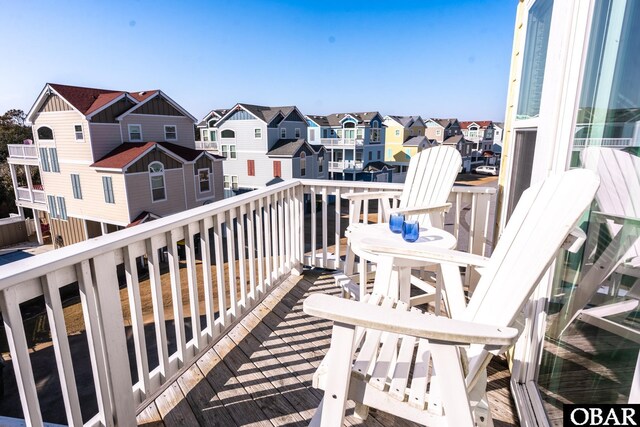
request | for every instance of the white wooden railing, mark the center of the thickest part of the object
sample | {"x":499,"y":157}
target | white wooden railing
{"x":603,"y":142}
{"x":254,"y":241}
{"x":206,"y":145}
{"x":346,"y":164}
{"x":26,"y":195}
{"x":341,"y":142}
{"x":23,"y":151}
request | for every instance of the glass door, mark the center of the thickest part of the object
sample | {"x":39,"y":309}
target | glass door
{"x":592,"y":338}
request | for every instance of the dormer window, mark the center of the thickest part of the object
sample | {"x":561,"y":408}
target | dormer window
{"x":297,"y":133}
{"x":135,"y":133}
{"x":283,"y":133}
{"x":45,"y":133}
{"x":170,"y":133}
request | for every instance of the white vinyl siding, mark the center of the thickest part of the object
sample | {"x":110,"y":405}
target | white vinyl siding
{"x":75,"y":185}
{"x":107,"y":186}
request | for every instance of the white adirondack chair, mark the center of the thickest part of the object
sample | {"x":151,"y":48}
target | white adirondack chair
{"x":431,"y":175}
{"x":618,"y":210}
{"x":429,"y":369}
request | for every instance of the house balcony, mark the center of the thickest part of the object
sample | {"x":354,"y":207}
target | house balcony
{"x":206,"y":145}
{"x":31,"y":196}
{"x":346,"y":165}
{"x":23,"y":154}
{"x":102,"y":332}
{"x":580,"y":143}
{"x":342,"y":142}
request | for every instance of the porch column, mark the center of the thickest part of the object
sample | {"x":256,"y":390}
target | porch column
{"x":36,"y":220}
{"x":27,"y":173}
{"x":103,"y":227}
{"x":14,"y":179}
{"x":21,"y":212}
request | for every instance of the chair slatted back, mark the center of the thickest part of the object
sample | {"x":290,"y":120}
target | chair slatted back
{"x":431,"y":175}
{"x":619,"y":191}
{"x":540,"y":223}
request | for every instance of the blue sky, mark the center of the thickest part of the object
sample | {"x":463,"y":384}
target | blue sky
{"x":434,"y":58}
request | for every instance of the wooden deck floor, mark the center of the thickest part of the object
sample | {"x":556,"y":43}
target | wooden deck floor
{"x":260,"y":373}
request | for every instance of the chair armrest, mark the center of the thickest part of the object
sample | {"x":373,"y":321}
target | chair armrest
{"x":434,"y":255}
{"x":574,"y":240}
{"x":422,"y":209}
{"x":438,"y":329}
{"x":371,"y":195}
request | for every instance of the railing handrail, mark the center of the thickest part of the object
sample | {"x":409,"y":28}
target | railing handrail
{"x":34,"y":267}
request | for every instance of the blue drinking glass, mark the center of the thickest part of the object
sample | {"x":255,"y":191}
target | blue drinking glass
{"x":410,"y":231}
{"x":395,"y":222}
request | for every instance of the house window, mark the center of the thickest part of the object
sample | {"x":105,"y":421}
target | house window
{"x":44,"y":160}
{"x":359,"y":133}
{"x":312,"y":134}
{"x":212,"y":123}
{"x":397,"y":132}
{"x":251,"y":167}
{"x":227,"y":133}
{"x":320,"y":164}
{"x":156,"y":179}
{"x":370,"y":155}
{"x":378,"y":155}
{"x":204,"y":180}
{"x":45,"y":133}
{"x":107,"y":187}
{"x":283,"y":132}
{"x":297,"y":133}
{"x":277,"y":169}
{"x":303,"y":164}
{"x":389,"y":152}
{"x":230,"y":182}
{"x":257,"y":133}
{"x":205,"y":135}
{"x":375,"y":132}
{"x":55,"y":166}
{"x":62,"y":208}
{"x":232,"y":151}
{"x":53,"y":209}
{"x":75,"y":185}
{"x":78,"y":132}
{"x":170,"y":132}
{"x":214,"y":135}
{"x":229,"y":151}
{"x":135,"y":132}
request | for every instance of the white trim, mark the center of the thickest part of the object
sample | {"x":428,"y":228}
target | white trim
{"x":100,"y":169}
{"x":175,"y":127}
{"x":129,"y":132}
{"x":45,"y":91}
{"x":103,"y":124}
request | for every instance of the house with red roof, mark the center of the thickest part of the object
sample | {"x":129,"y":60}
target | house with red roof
{"x":481,"y":133}
{"x":110,"y":159}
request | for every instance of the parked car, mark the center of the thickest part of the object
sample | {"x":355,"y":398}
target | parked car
{"x":487,"y":170}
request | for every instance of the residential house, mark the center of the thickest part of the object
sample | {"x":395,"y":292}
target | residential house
{"x":352,"y":141}
{"x":481,"y":133}
{"x":449,"y":132}
{"x":206,"y":130}
{"x":404,"y":138}
{"x":262,"y":145}
{"x":110,"y":159}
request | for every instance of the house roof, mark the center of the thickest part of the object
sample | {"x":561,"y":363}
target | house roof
{"x":218,"y":113}
{"x":319,"y":120}
{"x":128,"y":152}
{"x":452,"y":140}
{"x":483,"y":124}
{"x":144,"y":216}
{"x":415,"y":141}
{"x":405,"y":121}
{"x":289,"y":147}
{"x":335,"y":119}
{"x":88,"y":100}
{"x":265,"y":113}
{"x":444,"y":122}
{"x":376,"y":166}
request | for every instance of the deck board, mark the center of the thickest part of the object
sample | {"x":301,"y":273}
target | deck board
{"x":260,"y":373}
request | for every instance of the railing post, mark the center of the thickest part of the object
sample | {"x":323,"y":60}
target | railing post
{"x":115,"y":343}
